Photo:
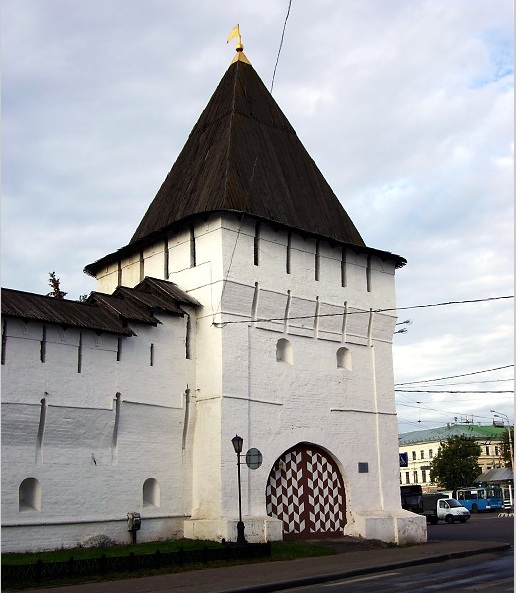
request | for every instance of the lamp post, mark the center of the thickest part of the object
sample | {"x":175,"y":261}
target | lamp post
{"x":500,"y":415}
{"x":237,"y":446}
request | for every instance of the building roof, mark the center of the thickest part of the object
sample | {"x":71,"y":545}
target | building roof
{"x":442,"y":433}
{"x":243,"y":156}
{"x":101,"y":312}
{"x":36,"y":307}
{"x":496,"y":475}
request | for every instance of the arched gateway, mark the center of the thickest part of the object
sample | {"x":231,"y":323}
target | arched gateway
{"x":305,"y":490}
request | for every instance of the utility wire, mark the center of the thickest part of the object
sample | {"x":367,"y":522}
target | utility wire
{"x":281,"y":44}
{"x":447,"y":413}
{"x":470,"y":399}
{"x":227,"y":274}
{"x":223,"y":324}
{"x":449,"y":391}
{"x":470,"y":382}
{"x":507,"y":366}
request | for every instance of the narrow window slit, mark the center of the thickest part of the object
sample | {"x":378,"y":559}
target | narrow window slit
{"x":4,"y":340}
{"x":142,"y":266}
{"x":316,"y":318}
{"x":166,"y":262}
{"x":193,"y":255}
{"x":41,"y":430}
{"x":43,"y":345}
{"x":343,"y":271}
{"x":257,"y":245}
{"x":317,"y":259}
{"x":368,"y":273}
{"x":287,"y":312}
{"x":188,"y":337}
{"x":114,"y":443}
{"x":79,"y":354}
{"x":254,"y":306}
{"x":289,"y":251}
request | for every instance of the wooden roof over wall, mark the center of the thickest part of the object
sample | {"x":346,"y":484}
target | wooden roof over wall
{"x":101,"y":312}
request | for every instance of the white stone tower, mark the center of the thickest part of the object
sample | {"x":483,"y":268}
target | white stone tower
{"x":245,"y":303}
{"x":293,"y":339}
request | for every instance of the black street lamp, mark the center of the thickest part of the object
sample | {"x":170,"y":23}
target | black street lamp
{"x":237,"y":446}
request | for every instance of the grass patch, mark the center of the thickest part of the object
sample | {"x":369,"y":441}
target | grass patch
{"x":279,"y":551}
{"x":63,"y":555}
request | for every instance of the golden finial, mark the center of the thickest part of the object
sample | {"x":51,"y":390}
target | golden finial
{"x":240,"y":56}
{"x":235,"y":32}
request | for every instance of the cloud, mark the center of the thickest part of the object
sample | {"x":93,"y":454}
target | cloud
{"x":406,"y":107}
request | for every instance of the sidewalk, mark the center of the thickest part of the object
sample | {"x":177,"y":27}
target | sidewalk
{"x":265,"y":577}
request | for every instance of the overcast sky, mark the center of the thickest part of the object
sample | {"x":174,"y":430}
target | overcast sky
{"x":406,"y":106}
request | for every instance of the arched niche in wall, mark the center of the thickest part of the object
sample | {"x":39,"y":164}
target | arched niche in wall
{"x":344,"y":359}
{"x":284,"y":351}
{"x":151,"y":493}
{"x":29,"y":495}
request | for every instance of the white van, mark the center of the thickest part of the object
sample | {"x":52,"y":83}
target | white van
{"x":437,"y":507}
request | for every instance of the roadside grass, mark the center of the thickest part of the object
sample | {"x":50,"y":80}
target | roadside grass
{"x":62,"y":555}
{"x":283,"y":550}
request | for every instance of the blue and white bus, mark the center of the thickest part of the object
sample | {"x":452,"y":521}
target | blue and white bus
{"x":480,"y":499}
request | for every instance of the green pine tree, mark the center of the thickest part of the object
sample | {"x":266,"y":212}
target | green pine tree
{"x":54,"y":284}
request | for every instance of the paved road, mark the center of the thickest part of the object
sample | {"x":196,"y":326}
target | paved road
{"x":482,"y":527}
{"x":488,"y":573}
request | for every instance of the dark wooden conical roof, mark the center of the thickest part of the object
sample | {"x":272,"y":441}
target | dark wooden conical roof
{"x":243,"y":155}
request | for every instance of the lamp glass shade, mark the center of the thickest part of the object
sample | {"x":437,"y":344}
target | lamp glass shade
{"x":238,"y":443}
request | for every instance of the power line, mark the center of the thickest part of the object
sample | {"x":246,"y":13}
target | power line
{"x":227,"y":274}
{"x":442,"y":412}
{"x":465,"y":382}
{"x":223,"y":324}
{"x":447,"y":303}
{"x":450,"y":391}
{"x":281,"y":44}
{"x":470,"y":399}
{"x":507,"y":366}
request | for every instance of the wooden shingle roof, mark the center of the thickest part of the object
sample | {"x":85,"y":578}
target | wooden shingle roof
{"x":243,"y":156}
{"x":101,"y":312}
{"x":35,"y":307}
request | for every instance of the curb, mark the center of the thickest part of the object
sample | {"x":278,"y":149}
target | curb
{"x":314,"y":580}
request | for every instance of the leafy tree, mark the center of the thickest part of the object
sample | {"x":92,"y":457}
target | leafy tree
{"x":505,"y":452}
{"x":456,"y":463}
{"x":54,"y":284}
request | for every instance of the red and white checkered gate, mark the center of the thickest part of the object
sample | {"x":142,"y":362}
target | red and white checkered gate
{"x":306,"y":492}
